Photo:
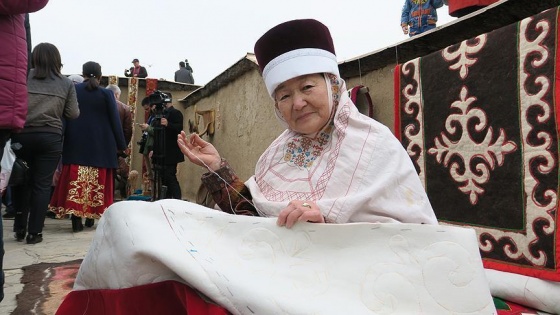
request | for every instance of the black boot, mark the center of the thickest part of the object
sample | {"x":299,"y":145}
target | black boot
{"x":34,"y":238}
{"x":77,"y":225}
{"x":89,"y":222}
{"x":19,"y":235}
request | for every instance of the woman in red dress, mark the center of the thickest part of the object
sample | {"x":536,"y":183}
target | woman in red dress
{"x":89,"y":156}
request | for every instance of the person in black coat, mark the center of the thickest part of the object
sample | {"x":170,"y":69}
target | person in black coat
{"x":172,"y":122}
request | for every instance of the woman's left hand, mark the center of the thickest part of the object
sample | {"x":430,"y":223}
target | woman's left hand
{"x":300,"y":210}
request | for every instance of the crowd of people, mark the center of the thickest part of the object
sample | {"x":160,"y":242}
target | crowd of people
{"x":75,"y":139}
{"x":183,"y":75}
{"x":76,"y":127}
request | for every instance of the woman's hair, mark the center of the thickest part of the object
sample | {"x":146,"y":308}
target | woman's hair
{"x":91,"y":71}
{"x":45,"y":58}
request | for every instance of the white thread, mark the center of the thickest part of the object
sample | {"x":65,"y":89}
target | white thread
{"x":233,"y":188}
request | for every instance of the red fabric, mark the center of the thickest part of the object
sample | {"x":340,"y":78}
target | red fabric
{"x":84,"y":191}
{"x":557,"y":87}
{"x":168,"y":297}
{"x":510,"y":308}
{"x":455,"y":5}
{"x":354,"y":92}
{"x":151,"y":86}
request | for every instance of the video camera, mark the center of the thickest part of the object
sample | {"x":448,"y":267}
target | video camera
{"x":159,"y":98}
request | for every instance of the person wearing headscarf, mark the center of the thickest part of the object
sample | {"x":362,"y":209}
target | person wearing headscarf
{"x":332,"y":164}
{"x":89,"y":158}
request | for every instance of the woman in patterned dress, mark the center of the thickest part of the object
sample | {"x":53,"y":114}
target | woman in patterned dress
{"x":89,"y":157}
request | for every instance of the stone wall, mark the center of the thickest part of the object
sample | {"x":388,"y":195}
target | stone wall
{"x":244,"y":127}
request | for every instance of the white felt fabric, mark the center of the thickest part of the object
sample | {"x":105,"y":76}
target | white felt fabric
{"x":533,"y":292}
{"x":251,"y":266}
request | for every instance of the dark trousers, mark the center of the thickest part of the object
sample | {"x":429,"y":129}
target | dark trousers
{"x":169,"y":179}
{"x":7,"y":200}
{"x":4,"y":136}
{"x":42,"y":152}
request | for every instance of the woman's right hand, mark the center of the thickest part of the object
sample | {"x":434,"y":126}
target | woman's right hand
{"x":198,"y":151}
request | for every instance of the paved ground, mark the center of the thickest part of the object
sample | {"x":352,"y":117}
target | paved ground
{"x":59,"y":244}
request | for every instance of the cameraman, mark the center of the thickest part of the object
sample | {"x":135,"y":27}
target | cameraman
{"x":172,"y":121}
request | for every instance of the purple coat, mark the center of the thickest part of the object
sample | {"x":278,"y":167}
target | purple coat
{"x":13,"y":61}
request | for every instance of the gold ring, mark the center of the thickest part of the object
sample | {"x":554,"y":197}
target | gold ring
{"x":305,"y":204}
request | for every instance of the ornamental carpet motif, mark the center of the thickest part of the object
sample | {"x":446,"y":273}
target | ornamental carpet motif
{"x":479,"y":119}
{"x":44,"y":287}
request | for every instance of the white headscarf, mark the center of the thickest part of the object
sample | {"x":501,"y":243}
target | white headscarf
{"x":354,"y":169}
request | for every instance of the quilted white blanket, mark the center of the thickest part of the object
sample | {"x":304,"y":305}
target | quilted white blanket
{"x":251,"y":266}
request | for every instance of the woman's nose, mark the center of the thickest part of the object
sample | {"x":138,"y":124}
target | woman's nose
{"x":299,"y":101}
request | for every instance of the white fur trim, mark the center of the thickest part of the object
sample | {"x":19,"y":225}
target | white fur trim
{"x":296,"y":63}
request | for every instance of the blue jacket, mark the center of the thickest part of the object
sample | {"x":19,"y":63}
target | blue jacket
{"x":94,"y":138}
{"x":418,"y":13}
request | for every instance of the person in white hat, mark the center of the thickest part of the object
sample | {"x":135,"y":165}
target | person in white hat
{"x":332,"y":164}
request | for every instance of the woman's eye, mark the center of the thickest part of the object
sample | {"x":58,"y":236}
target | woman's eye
{"x":282,"y":97}
{"x":307,"y":87}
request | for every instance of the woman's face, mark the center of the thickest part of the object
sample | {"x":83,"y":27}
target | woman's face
{"x":304,"y":103}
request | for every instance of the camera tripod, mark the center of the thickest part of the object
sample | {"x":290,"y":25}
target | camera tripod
{"x":158,"y":155}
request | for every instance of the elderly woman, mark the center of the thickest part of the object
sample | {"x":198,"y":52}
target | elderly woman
{"x":332,"y":164}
